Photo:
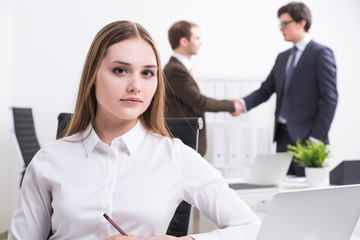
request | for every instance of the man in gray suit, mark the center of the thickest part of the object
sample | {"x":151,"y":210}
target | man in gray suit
{"x":183,"y":96}
{"x":304,"y":80}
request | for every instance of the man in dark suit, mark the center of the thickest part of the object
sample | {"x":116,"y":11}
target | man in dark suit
{"x":304,"y":80}
{"x":183,"y":97}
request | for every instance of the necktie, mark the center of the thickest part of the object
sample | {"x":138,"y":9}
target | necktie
{"x":291,"y":68}
{"x":286,"y":83}
{"x":191,"y":70}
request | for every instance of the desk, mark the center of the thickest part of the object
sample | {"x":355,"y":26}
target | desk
{"x":258,"y":200}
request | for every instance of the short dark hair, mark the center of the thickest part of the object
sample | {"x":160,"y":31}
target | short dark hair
{"x":298,"y":11}
{"x":179,"y":30}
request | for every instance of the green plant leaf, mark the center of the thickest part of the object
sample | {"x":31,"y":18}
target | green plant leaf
{"x":309,"y":154}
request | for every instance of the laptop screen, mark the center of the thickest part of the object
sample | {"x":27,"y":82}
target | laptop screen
{"x":313,"y":214}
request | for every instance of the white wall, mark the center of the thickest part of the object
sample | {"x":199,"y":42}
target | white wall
{"x":240,"y":40}
{"x":9,"y":163}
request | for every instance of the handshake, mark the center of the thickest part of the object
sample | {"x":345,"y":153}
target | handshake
{"x":239,"y":108}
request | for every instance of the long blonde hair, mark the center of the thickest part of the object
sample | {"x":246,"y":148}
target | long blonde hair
{"x":86,"y":104}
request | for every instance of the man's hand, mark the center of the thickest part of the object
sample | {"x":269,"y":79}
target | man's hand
{"x":238,"y":107}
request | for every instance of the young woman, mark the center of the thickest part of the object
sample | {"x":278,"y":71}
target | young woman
{"x":119,"y":159}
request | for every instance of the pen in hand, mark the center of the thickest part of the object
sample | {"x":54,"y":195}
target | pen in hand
{"x":114,"y":224}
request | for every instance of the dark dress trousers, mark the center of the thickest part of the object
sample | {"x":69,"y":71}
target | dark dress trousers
{"x":310,"y":98}
{"x":183,"y":98}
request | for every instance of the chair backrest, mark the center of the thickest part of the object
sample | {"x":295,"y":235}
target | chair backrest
{"x":24,"y":132}
{"x":187,"y":130}
{"x":24,"y":135}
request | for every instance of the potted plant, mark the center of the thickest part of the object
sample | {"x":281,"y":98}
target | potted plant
{"x":312,"y":156}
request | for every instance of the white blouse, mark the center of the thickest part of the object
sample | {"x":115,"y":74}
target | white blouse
{"x":138,"y":180}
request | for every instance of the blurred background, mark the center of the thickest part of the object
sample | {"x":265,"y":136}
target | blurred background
{"x":43,"y":45}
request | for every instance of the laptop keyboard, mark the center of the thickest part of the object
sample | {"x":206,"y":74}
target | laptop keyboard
{"x":237,"y":186}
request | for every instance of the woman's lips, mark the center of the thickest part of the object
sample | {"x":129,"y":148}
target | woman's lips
{"x":131,"y":100}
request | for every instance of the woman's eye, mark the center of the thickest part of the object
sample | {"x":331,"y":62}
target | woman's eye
{"x":148,"y":73}
{"x":119,"y":70}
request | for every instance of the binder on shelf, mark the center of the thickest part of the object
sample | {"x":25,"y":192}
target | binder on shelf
{"x":220,"y":94}
{"x":347,"y":172}
{"x":219,"y":157}
{"x":234,"y":146}
{"x":247,"y":155}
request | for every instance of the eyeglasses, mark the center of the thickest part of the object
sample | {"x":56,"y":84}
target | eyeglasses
{"x":284,"y":24}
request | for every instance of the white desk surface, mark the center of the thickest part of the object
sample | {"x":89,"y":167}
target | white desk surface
{"x":258,"y":200}
{"x":289,"y":183}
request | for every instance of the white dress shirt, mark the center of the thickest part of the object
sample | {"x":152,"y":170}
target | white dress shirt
{"x":138,"y":180}
{"x":184,"y":60}
{"x":301,"y":45}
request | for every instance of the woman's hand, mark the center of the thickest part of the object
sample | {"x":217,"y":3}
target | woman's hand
{"x":133,"y":237}
{"x":121,"y":237}
{"x":168,"y":237}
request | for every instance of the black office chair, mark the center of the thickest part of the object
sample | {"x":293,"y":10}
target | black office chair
{"x":187,"y":130}
{"x":25,"y":136}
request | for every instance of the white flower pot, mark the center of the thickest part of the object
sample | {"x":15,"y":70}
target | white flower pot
{"x":316,"y":177}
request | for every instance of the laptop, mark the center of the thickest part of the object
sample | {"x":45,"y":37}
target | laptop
{"x":313,"y":214}
{"x":268,"y":170}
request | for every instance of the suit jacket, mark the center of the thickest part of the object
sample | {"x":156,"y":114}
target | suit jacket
{"x":183,"y":98}
{"x":311,"y":96}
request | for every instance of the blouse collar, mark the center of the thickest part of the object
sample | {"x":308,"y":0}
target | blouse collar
{"x":131,"y":139}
